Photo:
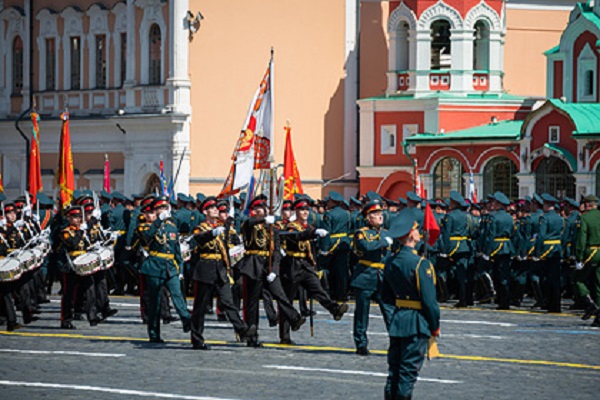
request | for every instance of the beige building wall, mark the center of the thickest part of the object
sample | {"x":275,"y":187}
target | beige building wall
{"x":228,"y":58}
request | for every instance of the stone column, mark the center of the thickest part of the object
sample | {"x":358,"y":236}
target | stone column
{"x":585,"y":183}
{"x":130,"y":82}
{"x":461,"y":75}
{"x":178,"y":80}
{"x":526,"y":184}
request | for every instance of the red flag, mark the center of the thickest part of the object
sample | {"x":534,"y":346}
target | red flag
{"x":35,"y":165}
{"x":291,"y":175}
{"x":106,"y":185}
{"x":66,"y":174}
{"x":1,"y":185}
{"x":431,"y":226}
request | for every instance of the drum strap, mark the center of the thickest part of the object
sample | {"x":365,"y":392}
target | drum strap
{"x":76,"y":253}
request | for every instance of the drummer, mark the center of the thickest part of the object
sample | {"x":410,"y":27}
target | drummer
{"x":7,"y":306}
{"x":14,"y":240}
{"x":97,"y":236}
{"x":73,"y":244}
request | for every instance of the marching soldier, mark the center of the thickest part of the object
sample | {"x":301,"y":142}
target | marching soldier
{"x":568,"y":244}
{"x":298,"y":267}
{"x":212,"y":273}
{"x":548,"y":251}
{"x":73,"y":243}
{"x":408,"y":295}
{"x":532,"y":232}
{"x":162,"y":267}
{"x":498,"y":247}
{"x":336,"y":221}
{"x":371,"y":246}
{"x":260,"y":272}
{"x":455,"y":243}
{"x":587,"y":255}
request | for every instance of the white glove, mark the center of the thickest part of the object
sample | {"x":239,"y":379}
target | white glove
{"x":114,"y":235}
{"x":442,"y":255}
{"x":36,"y":217}
{"x":180,"y":277}
{"x":485,"y":257}
{"x":578,"y":265}
{"x":145,"y":253}
{"x":164,"y":215}
{"x":271,"y":277}
{"x":218,"y":230}
{"x":27,"y":211}
{"x":97,"y":213}
{"x":282,"y":251}
{"x":20,"y":223}
{"x":293,"y":218}
{"x":270,"y":219}
{"x":389,"y":240}
{"x":83,"y":227}
{"x":321,"y":232}
{"x":2,"y":222}
{"x":535,"y":258}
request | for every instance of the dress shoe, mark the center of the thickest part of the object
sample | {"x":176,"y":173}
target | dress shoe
{"x":596,"y":322}
{"x":67,"y":325}
{"x":248,"y":332}
{"x":95,"y":321}
{"x":28,"y":318}
{"x":459,"y":305}
{"x":363,"y":351}
{"x":156,"y":340}
{"x":13,"y":326}
{"x":288,"y":342}
{"x":202,"y":346}
{"x":222,"y":318}
{"x":187,"y":325}
{"x":36,"y":311}
{"x":254,"y":342}
{"x":2,"y":321}
{"x":298,"y":323}
{"x":308,"y":313}
{"x":78,"y":317}
{"x":341,"y":310}
{"x":273,"y":323}
{"x":110,"y":312}
{"x":169,"y":319}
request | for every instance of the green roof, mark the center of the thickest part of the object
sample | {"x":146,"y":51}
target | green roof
{"x":506,"y":130}
{"x":585,"y":116}
{"x":448,"y":95}
{"x":588,"y":13}
{"x":553,"y":50}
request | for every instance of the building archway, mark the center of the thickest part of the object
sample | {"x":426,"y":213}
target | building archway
{"x":500,"y":175}
{"x":447,"y":176}
{"x":152,"y":185}
{"x":553,"y":176}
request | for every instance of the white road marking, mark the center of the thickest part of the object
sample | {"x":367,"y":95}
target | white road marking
{"x":456,"y":321}
{"x":63,"y":353}
{"x":452,"y":335}
{"x":350,"y":372}
{"x":126,"y":392}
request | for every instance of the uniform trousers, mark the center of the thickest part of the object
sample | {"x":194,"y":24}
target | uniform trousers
{"x":339,"y":273}
{"x":405,"y":359}
{"x":581,"y":278}
{"x":203,"y":293}
{"x":551,"y":285}
{"x":363,"y":299}
{"x":8,"y":305}
{"x":82,"y":285}
{"x":502,"y":278}
{"x":464,"y":278}
{"x":155,"y":286}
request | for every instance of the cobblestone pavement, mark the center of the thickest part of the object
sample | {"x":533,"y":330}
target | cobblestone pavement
{"x":486,"y":354}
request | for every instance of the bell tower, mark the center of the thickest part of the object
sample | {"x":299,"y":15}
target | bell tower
{"x":454,"y":46}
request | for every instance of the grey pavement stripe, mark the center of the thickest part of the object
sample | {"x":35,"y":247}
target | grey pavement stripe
{"x":63,"y":353}
{"x":126,"y":392}
{"x":350,"y":372}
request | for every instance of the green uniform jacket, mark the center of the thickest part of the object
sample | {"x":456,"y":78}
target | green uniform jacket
{"x":337,"y":222}
{"x":570,"y":235}
{"x":548,"y":243}
{"x":456,"y":232}
{"x":588,"y":238}
{"x":532,"y":232}
{"x":371,"y":248}
{"x":499,"y":235}
{"x":410,"y":277}
{"x":162,"y":241}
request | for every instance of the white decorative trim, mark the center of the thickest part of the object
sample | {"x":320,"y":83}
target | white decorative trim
{"x":73,"y":26}
{"x":16,"y":27}
{"x":586,"y":61}
{"x":483,"y":165}
{"x":120,"y":13}
{"x":432,"y":155}
{"x":48,"y":30}
{"x":402,"y":13}
{"x":483,"y":11}
{"x":152,"y":14}
{"x":440,"y":10}
{"x":98,"y":26}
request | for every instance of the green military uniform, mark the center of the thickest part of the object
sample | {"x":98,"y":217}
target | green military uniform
{"x":549,"y":250}
{"x":587,"y":254}
{"x":568,"y":246}
{"x":531,"y":233}
{"x":371,"y":248}
{"x":409,"y":299}
{"x":162,"y":268}
{"x":499,"y":249}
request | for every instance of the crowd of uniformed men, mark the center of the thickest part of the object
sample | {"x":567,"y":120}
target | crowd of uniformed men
{"x":235,"y":250}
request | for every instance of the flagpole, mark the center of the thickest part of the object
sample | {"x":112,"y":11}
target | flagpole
{"x":271,"y":84}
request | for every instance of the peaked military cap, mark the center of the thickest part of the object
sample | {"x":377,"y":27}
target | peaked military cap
{"x":402,"y":201}
{"x":372,"y":206}
{"x":537,"y":199}
{"x":371,"y":195}
{"x":412,"y":196}
{"x":458,"y":198}
{"x":590,"y":198}
{"x":44,"y":200}
{"x":354,"y":200}
{"x":549,"y":199}
{"x":287,"y":205}
{"x":335,"y":196}
{"x":8,"y":207}
{"x":161,"y":201}
{"x":501,"y":198}
{"x":301,"y":204}
{"x":210,"y":201}
{"x":404,"y":222}
{"x":104,"y":194}
{"x":73,"y":211}
{"x":200,"y":197}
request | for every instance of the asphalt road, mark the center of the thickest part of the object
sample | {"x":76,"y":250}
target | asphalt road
{"x":485,"y":355}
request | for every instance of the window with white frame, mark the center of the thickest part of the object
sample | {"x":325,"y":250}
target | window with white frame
{"x":409,"y":130}
{"x":73,"y":45}
{"x":554,"y":134}
{"x":50,"y":64}
{"x":155,"y":55}
{"x":100,"y":61}
{"x":586,"y":75}
{"x":388,"y":139}
{"x":48,"y":49}
{"x":75,"y":67}
{"x":17,"y":65}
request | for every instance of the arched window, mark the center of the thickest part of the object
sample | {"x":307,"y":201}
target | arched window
{"x":402,"y":48}
{"x":155,"y":55}
{"x":499,"y":175}
{"x":554,"y":177}
{"x":152,"y":184}
{"x":17,"y":65}
{"x":588,"y":89}
{"x":440,"y":45}
{"x":447,"y":176}
{"x":481,"y":47}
